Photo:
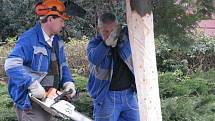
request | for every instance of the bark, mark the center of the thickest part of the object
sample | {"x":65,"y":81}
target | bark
{"x":141,"y":35}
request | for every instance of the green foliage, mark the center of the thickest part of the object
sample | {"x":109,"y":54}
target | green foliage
{"x":83,"y":101}
{"x":178,"y":109}
{"x":6,"y":106}
{"x":171,"y":85}
{"x":16,"y":16}
{"x":209,"y":76}
{"x":84,"y":104}
{"x":189,"y":98}
{"x":174,"y":84}
{"x":169,"y":58}
{"x":199,"y":56}
{"x":188,"y":108}
{"x":80,"y":82}
{"x":174,"y":21}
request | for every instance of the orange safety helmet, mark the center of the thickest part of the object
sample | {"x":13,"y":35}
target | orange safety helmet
{"x":51,"y":7}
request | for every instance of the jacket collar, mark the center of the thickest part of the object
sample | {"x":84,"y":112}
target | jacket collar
{"x":39,"y":33}
{"x":98,"y":36}
{"x":48,"y":39}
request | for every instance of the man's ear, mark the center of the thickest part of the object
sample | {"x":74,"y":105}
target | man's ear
{"x":49,"y":18}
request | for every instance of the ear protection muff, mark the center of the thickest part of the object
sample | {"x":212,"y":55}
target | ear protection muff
{"x":41,"y":9}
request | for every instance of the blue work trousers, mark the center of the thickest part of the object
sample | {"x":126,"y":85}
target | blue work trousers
{"x":117,"y":106}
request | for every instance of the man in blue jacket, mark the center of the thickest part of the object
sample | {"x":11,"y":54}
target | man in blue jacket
{"x":111,"y":82}
{"x":38,"y":63}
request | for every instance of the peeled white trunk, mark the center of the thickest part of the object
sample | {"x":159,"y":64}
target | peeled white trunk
{"x":141,"y":35}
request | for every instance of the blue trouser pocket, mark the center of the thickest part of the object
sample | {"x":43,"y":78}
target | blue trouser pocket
{"x":131,"y":101}
{"x":104,"y":110}
{"x":117,"y":106}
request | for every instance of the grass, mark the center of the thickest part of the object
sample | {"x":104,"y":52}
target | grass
{"x":6,"y":106}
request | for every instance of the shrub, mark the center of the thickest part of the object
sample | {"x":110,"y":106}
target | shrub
{"x":5,"y":50}
{"x":83,"y":101}
{"x":188,"y":108}
{"x":198,"y":56}
{"x":76,"y":56}
{"x":174,"y":84}
{"x":171,"y":85}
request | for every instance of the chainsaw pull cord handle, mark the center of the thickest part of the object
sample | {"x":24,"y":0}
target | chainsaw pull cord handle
{"x":64,"y":94}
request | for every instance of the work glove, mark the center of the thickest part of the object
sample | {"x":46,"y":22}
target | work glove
{"x":113,"y":37}
{"x":69,"y":86}
{"x":37,"y":90}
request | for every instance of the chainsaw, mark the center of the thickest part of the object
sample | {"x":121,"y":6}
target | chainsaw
{"x":57,"y":105}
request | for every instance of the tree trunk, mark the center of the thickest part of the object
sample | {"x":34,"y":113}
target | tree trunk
{"x":141,"y":35}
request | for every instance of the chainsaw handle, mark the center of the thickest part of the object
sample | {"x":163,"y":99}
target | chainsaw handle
{"x":63,"y":95}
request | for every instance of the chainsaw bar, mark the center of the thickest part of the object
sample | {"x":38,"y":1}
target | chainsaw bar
{"x":61,"y":109}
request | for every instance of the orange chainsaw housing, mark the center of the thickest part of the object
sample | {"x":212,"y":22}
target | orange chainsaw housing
{"x":52,"y":93}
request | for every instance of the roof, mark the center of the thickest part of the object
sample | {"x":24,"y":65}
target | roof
{"x":208,"y":26}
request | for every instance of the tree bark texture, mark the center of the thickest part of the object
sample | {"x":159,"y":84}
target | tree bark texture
{"x":141,"y":35}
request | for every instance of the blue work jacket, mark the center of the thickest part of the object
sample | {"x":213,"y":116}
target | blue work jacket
{"x":29,"y":61}
{"x":101,"y":64}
